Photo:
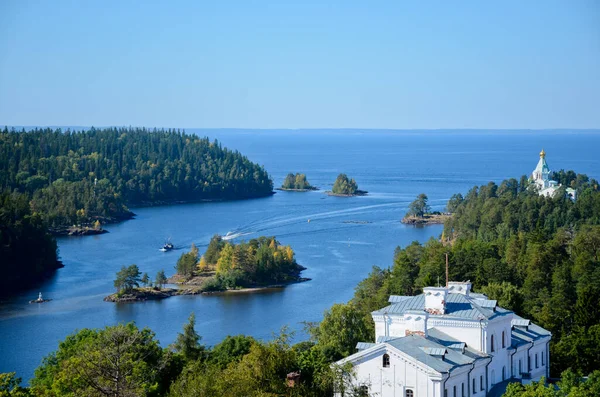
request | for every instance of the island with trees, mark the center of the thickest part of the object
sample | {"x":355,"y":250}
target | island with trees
{"x":259,"y":263}
{"x":296,"y":183}
{"x":419,"y":212}
{"x":345,"y":187}
{"x":73,"y":182}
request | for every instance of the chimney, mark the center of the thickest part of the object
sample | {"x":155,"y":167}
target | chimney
{"x":415,"y":322}
{"x":435,"y":299}
{"x":460,"y":287}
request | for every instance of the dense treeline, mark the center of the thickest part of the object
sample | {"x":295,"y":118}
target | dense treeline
{"x":538,"y":256}
{"x":260,"y":261}
{"x":76,"y":177}
{"x":124,"y":360}
{"x":27,"y":251}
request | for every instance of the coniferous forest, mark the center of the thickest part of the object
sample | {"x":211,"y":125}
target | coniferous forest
{"x":91,"y":177}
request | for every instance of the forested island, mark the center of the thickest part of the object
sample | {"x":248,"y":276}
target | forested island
{"x":260,"y":262}
{"x":73,"y":182}
{"x":296,"y":183}
{"x":345,"y":187}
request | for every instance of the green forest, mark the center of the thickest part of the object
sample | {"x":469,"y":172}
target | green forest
{"x":76,"y":177}
{"x":225,"y":265}
{"x":27,"y":250}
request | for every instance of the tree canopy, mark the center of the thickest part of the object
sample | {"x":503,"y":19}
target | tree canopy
{"x":419,"y":207}
{"x":344,"y":186}
{"x":75,"y":177}
{"x":297,"y":182}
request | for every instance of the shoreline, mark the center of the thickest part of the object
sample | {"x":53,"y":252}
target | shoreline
{"x":428,"y":219}
{"x":147,"y":294}
{"x":358,"y":193}
{"x":311,"y":189}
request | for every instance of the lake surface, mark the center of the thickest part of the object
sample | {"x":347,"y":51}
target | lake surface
{"x":338,"y":252}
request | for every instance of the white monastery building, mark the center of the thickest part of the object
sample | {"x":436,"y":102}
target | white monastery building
{"x":448,"y":342}
{"x":541,"y":178}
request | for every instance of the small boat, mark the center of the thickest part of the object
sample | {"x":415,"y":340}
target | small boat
{"x":168,"y":246}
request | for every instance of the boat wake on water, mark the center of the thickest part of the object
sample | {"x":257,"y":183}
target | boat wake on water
{"x":269,"y":224}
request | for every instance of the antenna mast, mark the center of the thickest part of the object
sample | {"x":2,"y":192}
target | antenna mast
{"x":446,"y":270}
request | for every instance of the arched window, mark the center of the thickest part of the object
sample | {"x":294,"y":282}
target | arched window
{"x":492,"y":343}
{"x":503,"y":340}
{"x":386,"y":360}
{"x":410,"y":393}
{"x":503,"y":373}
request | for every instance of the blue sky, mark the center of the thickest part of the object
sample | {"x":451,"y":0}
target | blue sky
{"x":304,"y":64}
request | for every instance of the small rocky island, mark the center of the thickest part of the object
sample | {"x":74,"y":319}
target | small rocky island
{"x":40,"y":299}
{"x":345,"y":187}
{"x":225,"y":267}
{"x":296,"y":183}
{"x":419,"y":213}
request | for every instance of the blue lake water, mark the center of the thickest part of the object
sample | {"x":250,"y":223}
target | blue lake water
{"x":393,"y":166}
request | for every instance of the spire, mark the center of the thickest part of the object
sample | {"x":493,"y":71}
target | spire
{"x":542,"y":154}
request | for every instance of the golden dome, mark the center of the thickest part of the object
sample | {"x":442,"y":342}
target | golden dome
{"x":542,"y":154}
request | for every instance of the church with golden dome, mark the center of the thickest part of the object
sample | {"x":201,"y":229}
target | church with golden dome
{"x":541,"y":178}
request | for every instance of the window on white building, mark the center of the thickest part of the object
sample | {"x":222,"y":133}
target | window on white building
{"x":481,"y":382}
{"x":386,"y":360}
{"x":536,"y":361}
{"x":492,"y":343}
{"x":503,"y":340}
{"x":462,"y":389}
{"x":543,"y":361}
{"x":503,"y":373}
{"x":474,"y":388}
{"x":520,"y":367}
{"x":445,"y":392}
{"x":410,"y":393}
{"x":453,"y":391}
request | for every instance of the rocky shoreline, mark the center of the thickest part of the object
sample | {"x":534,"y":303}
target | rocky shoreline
{"x":146,"y":294}
{"x":358,"y":193}
{"x":428,"y":219}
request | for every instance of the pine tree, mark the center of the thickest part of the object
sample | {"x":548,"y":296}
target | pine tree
{"x":161,"y":279}
{"x":187,"y":343}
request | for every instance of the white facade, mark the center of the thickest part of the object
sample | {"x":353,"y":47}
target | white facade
{"x":540,"y":177}
{"x":448,"y":342}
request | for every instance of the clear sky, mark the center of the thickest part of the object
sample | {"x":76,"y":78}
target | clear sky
{"x":303,"y":64}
